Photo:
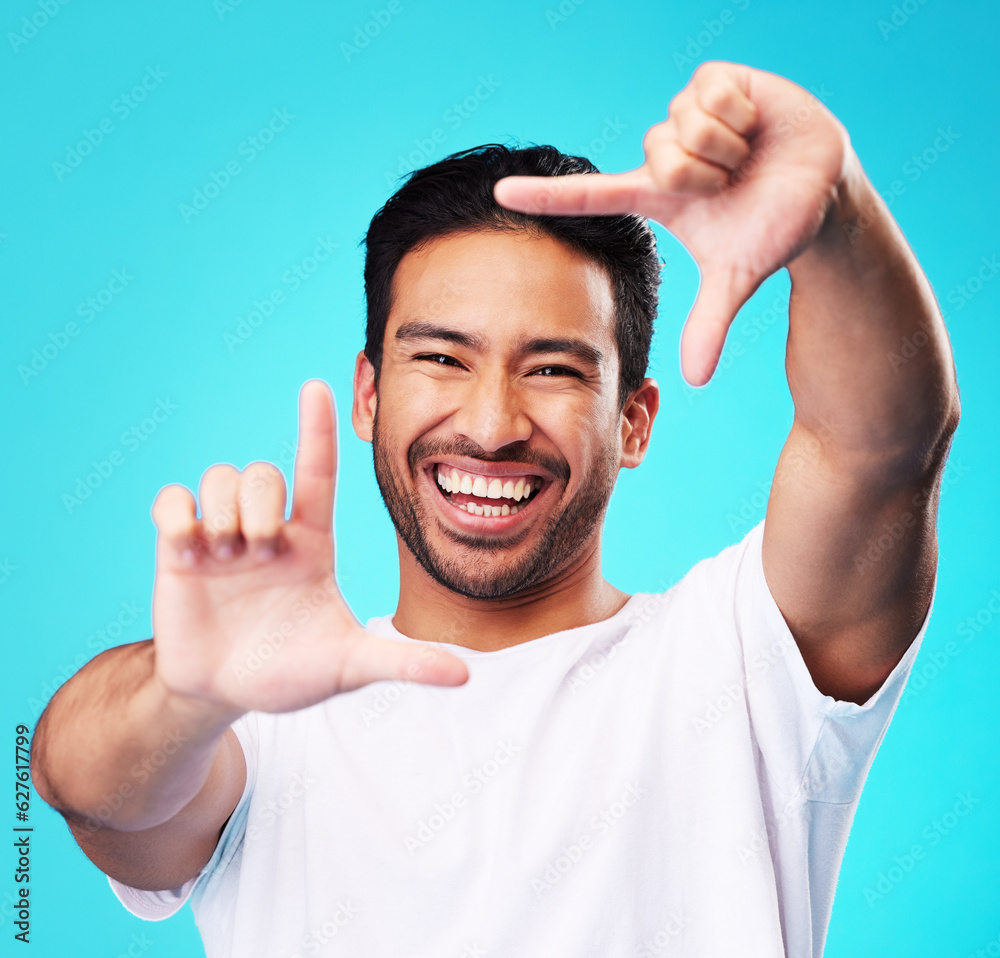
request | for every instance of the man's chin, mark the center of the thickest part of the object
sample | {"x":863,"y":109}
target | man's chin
{"x":480,"y":570}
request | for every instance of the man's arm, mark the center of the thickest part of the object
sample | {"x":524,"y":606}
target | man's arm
{"x":850,"y":546}
{"x":145,"y":779}
{"x":752,"y":173}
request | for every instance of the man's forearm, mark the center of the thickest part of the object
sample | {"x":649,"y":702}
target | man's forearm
{"x":869,"y":363}
{"x":116,"y":749}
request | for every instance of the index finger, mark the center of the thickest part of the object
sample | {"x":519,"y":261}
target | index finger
{"x":576,"y":194}
{"x":315,"y":458}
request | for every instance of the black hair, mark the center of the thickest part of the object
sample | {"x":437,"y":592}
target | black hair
{"x":455,"y":195}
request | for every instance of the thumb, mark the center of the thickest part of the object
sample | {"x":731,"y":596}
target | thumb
{"x":374,"y":658}
{"x":721,"y":295}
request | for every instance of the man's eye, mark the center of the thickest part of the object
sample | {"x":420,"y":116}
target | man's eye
{"x":550,"y":371}
{"x":439,"y":359}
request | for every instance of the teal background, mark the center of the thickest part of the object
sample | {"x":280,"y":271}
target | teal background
{"x":591,"y":78}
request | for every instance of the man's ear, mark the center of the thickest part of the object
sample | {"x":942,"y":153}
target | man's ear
{"x":637,"y":422}
{"x":365,"y":399}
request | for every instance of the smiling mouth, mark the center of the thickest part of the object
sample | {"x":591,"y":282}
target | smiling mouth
{"x":492,"y":496}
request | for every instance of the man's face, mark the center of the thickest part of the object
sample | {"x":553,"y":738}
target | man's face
{"x":497,"y":434}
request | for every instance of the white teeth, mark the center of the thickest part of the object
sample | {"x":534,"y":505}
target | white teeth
{"x":496,"y":512}
{"x":480,"y":510}
{"x":486,"y":487}
{"x":514,"y":510}
{"x":470,"y":507}
{"x":505,"y":510}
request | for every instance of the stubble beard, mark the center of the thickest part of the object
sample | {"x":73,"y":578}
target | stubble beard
{"x":564,"y":536}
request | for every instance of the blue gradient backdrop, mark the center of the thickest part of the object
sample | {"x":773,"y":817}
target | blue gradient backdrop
{"x":107,"y":221}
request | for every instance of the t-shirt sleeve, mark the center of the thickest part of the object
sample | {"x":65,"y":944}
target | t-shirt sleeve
{"x":812,"y":746}
{"x":158,"y":905}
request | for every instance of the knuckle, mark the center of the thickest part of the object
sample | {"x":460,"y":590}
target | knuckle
{"x":708,"y":68}
{"x":263,"y":472}
{"x":656,"y":135}
{"x":671,"y":172}
{"x":701,"y":136}
{"x":218,"y":480}
{"x":173,"y":510}
{"x":717,"y":98}
{"x":261,"y":479}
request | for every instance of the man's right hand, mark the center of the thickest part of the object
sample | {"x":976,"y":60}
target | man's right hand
{"x":246,"y":610}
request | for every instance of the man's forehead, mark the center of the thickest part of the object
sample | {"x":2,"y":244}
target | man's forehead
{"x":503,"y":284}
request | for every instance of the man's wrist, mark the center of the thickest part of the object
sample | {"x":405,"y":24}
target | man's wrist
{"x":857,"y":226}
{"x":192,"y":711}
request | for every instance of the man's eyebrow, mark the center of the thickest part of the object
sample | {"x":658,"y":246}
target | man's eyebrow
{"x":424,"y":330}
{"x":577,"y":348}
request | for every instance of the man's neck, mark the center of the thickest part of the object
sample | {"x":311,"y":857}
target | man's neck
{"x":430,"y":612}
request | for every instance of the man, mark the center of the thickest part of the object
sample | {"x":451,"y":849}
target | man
{"x":525,"y":760}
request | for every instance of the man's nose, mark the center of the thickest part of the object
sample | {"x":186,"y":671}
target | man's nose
{"x":492,"y":414}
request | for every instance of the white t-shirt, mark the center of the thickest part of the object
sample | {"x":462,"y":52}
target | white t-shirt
{"x":666,"y":782}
